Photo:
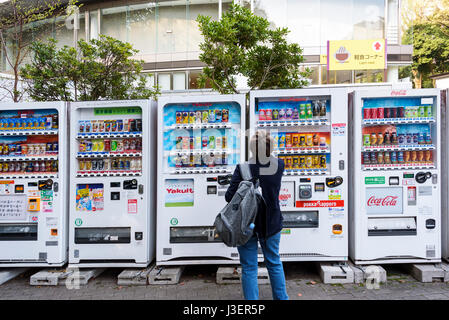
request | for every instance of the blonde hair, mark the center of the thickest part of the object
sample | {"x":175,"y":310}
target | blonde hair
{"x":261,"y":141}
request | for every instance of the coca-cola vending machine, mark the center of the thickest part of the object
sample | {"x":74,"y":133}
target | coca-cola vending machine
{"x":396,"y":177}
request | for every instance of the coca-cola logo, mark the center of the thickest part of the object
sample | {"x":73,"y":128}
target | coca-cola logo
{"x":399,"y":92}
{"x":388,"y":201}
{"x":177,"y":190}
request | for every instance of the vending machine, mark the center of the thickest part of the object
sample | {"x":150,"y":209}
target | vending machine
{"x":112,"y":189}
{"x":200,"y":142}
{"x":395,"y":159}
{"x":445,"y":174}
{"x":33,"y":184}
{"x":309,"y":127}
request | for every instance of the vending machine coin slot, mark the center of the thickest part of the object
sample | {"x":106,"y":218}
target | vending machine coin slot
{"x":224,"y":180}
{"x":393,"y":181}
{"x":130,"y":184}
{"x":430,"y":224}
{"x":422,"y":177}
{"x":115,"y":195}
{"x":334,"y":182}
{"x":45,"y":184}
{"x":138,"y":236}
{"x":434,"y":178}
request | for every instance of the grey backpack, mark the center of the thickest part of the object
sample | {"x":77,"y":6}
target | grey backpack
{"x":235,"y":222}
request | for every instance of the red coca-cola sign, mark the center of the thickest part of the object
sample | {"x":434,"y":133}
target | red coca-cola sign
{"x":388,"y":201}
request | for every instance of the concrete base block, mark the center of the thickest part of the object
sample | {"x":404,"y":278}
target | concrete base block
{"x":335,"y":273}
{"x":134,"y":277}
{"x":429,"y":272}
{"x":372,"y":273}
{"x":165,"y":275}
{"x":68,"y":277}
{"x":8,"y":274}
{"x":227,"y":275}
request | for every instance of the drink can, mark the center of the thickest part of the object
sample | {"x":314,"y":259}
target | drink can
{"x":393,"y":157}
{"x":178,"y":117}
{"x":101,"y":126}
{"x":120,"y":125}
{"x":309,"y":139}
{"x":42,"y":164}
{"x":211,"y":142}
{"x":373,"y":113}
{"x":323,"y":162}
{"x":421,"y":139}
{"x":420,"y":156}
{"x":185,"y":117}
{"x":211,"y":116}
{"x":302,"y":111}
{"x":401,"y":139}
{"x":316,"y":108}
{"x":380,"y":112}
{"x":281,"y":140}
{"x":107,"y":126}
{"x":225,"y":142}
{"x":406,"y":156}
{"x":192,"y":116}
{"x":269,"y":114}
{"x":139,"y":144}
{"x":218,"y":142}
{"x":205,"y":116}
{"x":198,"y":116}
{"x":316,"y":139}
{"x":94,"y":164}
{"x":100,"y":164}
{"x":428,"y":112}
{"x":100,"y":146}
{"x":295,"y":162}
{"x":393,"y":112}
{"x":295,"y":113}
{"x":295,"y":140}
{"x":373,"y":158}
{"x":373,"y":139}
{"x":415,"y":138}
{"x":288,"y":114}
{"x":421,"y":111}
{"x":81,"y":165}
{"x":400,"y":157}
{"x":275,"y":114}
{"x":94,"y":126}
{"x":302,"y":140}
{"x":121,"y":164}
{"x":366,"y":158}
{"x":139,"y":125}
{"x":107,"y":164}
{"x":387,"y":113}
{"x":309,"y":162}
{"x":185,"y":143}
{"x":126,"y":145}
{"x":366,"y":113}
{"x":380,"y":157}
{"x":428,"y":155}
{"x":413,"y":156}
{"x":192,"y":143}
{"x":282,"y":114}
{"x":127,"y":164}
{"x":19,"y":149}
{"x":205,"y":140}
{"x":380,"y":138}
{"x":428,"y":138}
{"x":95,"y":146}
{"x":309,"y":111}
{"x":114,"y":145}
{"x":42,"y":148}
{"x":401,"y":112}
{"x":394,"y":138}
{"x":366,"y":140}
{"x":49,"y":147}
{"x":107,"y":145}
{"x":387,"y":159}
{"x":114,"y":125}
{"x":409,"y":138}
{"x":302,"y":162}
{"x":81,"y":126}
{"x":225,"y":115}
{"x":288,"y":140}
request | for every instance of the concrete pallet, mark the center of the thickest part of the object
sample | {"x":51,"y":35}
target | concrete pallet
{"x":8,"y":274}
{"x":67,"y":277}
{"x":372,"y":274}
{"x":228,"y":275}
{"x":429,"y":272}
{"x":134,"y":277}
{"x":333,"y":273}
{"x":165,"y":275}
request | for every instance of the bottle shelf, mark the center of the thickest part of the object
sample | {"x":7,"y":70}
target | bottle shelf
{"x":192,"y":126}
{"x":201,"y":170}
{"x":28,"y":175}
{"x":29,"y":157}
{"x":305,"y":172}
{"x":89,"y":155}
{"x":28,"y":132}
{"x":86,"y":174}
{"x":401,"y":166}
{"x":103,"y":135}
{"x":397,"y":121}
{"x":413,"y":147}
{"x":292,"y":123}
{"x":200,"y":151}
{"x":303,"y":150}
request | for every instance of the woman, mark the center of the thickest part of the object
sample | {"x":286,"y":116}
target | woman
{"x":268,"y":224}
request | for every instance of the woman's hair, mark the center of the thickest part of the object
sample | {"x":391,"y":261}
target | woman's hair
{"x":261,"y":146}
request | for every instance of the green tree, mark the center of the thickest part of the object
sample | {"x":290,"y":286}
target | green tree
{"x":17,"y":18}
{"x":242,"y":44}
{"x":430,"y":52}
{"x":102,"y":69}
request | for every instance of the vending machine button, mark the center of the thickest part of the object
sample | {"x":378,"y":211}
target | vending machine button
{"x":115,"y":184}
{"x":140,"y":188}
{"x":319,"y":187}
{"x":211,"y":189}
{"x":341,"y":165}
{"x":138,"y":236}
{"x":430,"y":224}
{"x":55,"y":187}
{"x":115,"y":195}
{"x":434,"y":178}
{"x":393,"y":181}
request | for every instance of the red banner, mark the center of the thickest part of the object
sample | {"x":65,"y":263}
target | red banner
{"x":320,"y":204}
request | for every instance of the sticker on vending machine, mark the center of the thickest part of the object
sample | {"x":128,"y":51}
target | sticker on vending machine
{"x":334,"y":194}
{"x":132,"y":205}
{"x":286,"y":194}
{"x":338,"y":129}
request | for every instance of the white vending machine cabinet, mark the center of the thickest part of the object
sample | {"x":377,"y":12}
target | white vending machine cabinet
{"x":395,"y":160}
{"x":200,"y":142}
{"x":33,"y":184}
{"x":112,"y":189}
{"x":445,"y":175}
{"x":309,"y":127}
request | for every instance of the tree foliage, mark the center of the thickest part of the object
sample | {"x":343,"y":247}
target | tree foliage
{"x":17,"y":17}
{"x":242,"y":44}
{"x":102,"y":69}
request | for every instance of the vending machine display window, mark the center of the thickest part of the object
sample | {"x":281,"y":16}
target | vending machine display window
{"x":301,"y":130}
{"x":398,"y":133}
{"x":201,"y":137}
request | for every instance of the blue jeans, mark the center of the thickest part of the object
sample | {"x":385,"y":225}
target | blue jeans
{"x":248,"y":260}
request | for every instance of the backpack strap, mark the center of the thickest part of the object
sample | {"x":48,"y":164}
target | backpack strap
{"x":245,"y":171}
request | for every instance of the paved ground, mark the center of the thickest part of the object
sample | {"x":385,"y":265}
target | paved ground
{"x":198,"y":283}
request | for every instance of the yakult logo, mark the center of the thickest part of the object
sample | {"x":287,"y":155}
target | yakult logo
{"x":178,"y":190}
{"x":388,"y":201}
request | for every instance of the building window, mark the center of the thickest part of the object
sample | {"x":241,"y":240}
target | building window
{"x":364,"y":76}
{"x":164,"y":81}
{"x":179,"y":81}
{"x":335,"y":77}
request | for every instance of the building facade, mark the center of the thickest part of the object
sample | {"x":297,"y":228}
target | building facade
{"x":167,"y":36}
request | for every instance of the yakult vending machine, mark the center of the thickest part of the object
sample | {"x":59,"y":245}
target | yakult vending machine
{"x":200,"y":142}
{"x":33,"y":182}
{"x":309,"y":129}
{"x":112,"y":191}
{"x":395,"y":159}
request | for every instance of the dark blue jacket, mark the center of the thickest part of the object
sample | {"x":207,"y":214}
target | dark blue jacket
{"x":270,"y":222}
